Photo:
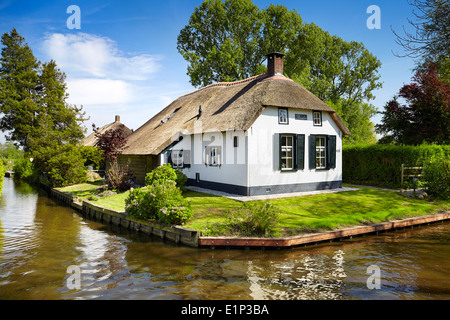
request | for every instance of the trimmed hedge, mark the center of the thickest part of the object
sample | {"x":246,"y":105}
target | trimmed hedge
{"x":380,"y":165}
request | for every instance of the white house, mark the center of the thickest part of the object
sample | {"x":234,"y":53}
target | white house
{"x":263,"y":135}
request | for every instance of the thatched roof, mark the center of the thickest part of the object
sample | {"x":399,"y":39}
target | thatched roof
{"x":91,"y":140}
{"x":225,"y":106}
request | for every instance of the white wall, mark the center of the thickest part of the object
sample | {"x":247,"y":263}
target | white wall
{"x":233,"y":168}
{"x":255,"y":161}
{"x":263,"y":155}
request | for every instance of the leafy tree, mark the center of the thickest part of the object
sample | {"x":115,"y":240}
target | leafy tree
{"x":35,"y":112}
{"x":112,"y":142}
{"x":222,"y":41}
{"x":426,"y":115}
{"x":93,"y":157}
{"x":228,"y":40}
{"x":19,"y":94}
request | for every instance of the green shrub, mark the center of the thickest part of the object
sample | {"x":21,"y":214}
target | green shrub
{"x":162,"y":201}
{"x":381,"y":164}
{"x":160,"y":174}
{"x":254,"y":219}
{"x":139,"y":204}
{"x":181,"y":179}
{"x":436,"y":176}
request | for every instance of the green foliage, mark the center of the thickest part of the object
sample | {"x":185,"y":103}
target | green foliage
{"x":160,"y":174}
{"x":33,"y":99}
{"x":36,"y":115}
{"x":10,"y":154}
{"x":254,"y":219}
{"x":65,"y":167}
{"x":24,"y":169}
{"x":93,"y":157}
{"x":229,"y":40}
{"x":381,"y":164}
{"x":181,"y":179}
{"x":162,"y":201}
{"x":2,"y":175}
{"x":258,"y":219}
{"x":436,"y":176}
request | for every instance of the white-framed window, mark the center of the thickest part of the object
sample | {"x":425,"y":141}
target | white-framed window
{"x":317,"y":118}
{"x":287,"y":152}
{"x":283,"y":116}
{"x":213,"y":156}
{"x":177,"y":158}
{"x":321,"y":152}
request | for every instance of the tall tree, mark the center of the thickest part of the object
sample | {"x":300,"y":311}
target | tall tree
{"x":426,"y":115}
{"x":221,"y":41}
{"x":35,"y":114}
{"x":339,"y":72}
{"x":33,"y":99}
{"x":430,"y":39}
{"x":56,"y":121}
{"x":19,"y":96}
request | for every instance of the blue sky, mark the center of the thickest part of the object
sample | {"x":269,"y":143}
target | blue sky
{"x":124,"y":59}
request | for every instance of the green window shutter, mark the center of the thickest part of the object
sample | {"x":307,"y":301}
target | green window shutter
{"x":312,"y":151}
{"x":300,"y":152}
{"x":279,"y":152}
{"x":331,"y":152}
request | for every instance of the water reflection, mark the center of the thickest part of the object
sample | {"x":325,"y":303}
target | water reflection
{"x":39,"y":240}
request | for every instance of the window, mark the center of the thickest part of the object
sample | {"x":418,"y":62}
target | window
{"x":177,"y":159}
{"x":317,"y":118}
{"x":321,"y":162}
{"x":322,"y":152}
{"x":283,"y":116}
{"x":287,"y":152}
{"x":235,"y":141}
{"x":212,"y":156}
{"x":292,"y":152}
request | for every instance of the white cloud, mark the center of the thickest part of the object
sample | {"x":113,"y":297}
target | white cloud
{"x":99,"y":91}
{"x":94,"y":56}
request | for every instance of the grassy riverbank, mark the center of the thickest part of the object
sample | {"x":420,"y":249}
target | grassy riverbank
{"x":297,"y":215}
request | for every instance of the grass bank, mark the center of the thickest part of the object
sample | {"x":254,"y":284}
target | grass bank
{"x":297,"y":215}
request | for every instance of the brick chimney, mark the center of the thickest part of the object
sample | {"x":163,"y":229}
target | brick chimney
{"x":117,"y":118}
{"x":275,"y":62}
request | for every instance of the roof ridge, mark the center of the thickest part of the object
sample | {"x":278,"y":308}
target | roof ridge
{"x":227,"y":84}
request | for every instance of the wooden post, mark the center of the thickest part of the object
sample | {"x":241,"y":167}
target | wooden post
{"x":401,"y":181}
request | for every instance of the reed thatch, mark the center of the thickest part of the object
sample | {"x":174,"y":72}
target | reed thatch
{"x":224,"y":106}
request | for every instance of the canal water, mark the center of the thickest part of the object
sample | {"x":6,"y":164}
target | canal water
{"x":49,"y":251}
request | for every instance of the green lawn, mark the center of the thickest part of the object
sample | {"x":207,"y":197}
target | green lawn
{"x":83,"y":190}
{"x":304,"y":214}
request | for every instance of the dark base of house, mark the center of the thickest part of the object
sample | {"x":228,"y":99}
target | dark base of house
{"x":265,"y":190}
